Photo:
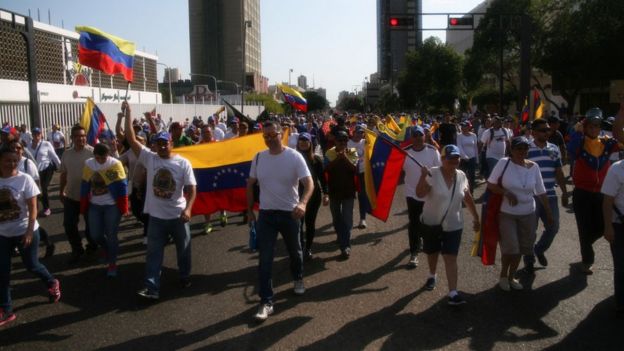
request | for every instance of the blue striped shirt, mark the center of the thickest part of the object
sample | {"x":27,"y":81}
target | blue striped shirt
{"x":548,"y":159}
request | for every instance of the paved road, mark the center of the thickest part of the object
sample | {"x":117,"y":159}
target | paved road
{"x":371,"y":301}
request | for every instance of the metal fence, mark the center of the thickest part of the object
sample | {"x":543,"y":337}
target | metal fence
{"x":68,"y":114}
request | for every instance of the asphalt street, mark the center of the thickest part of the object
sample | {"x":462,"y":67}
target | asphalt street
{"x":372,"y":301}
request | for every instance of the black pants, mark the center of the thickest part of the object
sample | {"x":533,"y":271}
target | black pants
{"x":414,"y":210}
{"x":71,"y":217}
{"x":137,"y":203}
{"x":588,"y":213}
{"x":45,"y":177}
{"x":309,"y":219}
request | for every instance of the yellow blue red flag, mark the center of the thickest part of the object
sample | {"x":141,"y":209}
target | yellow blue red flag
{"x":105,"y":52}
{"x":93,"y":121}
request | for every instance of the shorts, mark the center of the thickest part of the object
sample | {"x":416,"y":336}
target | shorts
{"x":447,"y":244}
{"x":517,"y":233}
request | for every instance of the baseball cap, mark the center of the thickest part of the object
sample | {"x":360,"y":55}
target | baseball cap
{"x":305,"y":136}
{"x":35,"y":130}
{"x":418,"y":130}
{"x":162,"y":136}
{"x":449,"y":151}
{"x":519,"y":141}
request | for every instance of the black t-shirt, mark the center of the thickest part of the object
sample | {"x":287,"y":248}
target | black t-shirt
{"x":448,"y":134}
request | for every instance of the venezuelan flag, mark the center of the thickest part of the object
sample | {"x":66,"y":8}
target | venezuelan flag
{"x":105,"y":52}
{"x":538,"y":105}
{"x":115,"y":179}
{"x":93,"y":121}
{"x":525,"y":112}
{"x":383,"y":162}
{"x":221,"y":170}
{"x":294,"y":98}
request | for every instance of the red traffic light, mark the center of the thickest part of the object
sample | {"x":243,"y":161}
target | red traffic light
{"x":453,"y":21}
{"x":401,"y":22}
{"x":394,"y":22}
{"x":461,"y":21}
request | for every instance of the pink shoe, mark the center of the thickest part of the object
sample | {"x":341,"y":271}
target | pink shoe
{"x":6,"y":318}
{"x":54,"y":291}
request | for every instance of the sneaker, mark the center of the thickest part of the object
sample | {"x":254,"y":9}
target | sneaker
{"x":515,"y":284}
{"x":208,"y":228}
{"x":49,"y":250}
{"x":587,"y":269}
{"x":346,"y":253}
{"x":264,"y":311}
{"x":456,"y":300}
{"x":146,"y":294}
{"x":299,"y":287}
{"x":223,"y":219}
{"x":54,"y":291}
{"x":47,"y":212}
{"x":111,"y":271}
{"x":6,"y":318}
{"x":185,"y":283}
{"x":542,"y":259}
{"x":362,"y":224}
{"x":413,"y":261}
{"x":503,"y":283}
{"x":430,"y":283}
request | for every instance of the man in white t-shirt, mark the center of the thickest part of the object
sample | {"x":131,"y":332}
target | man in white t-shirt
{"x":217,"y":133}
{"x":496,"y":140}
{"x":428,"y":156}
{"x":169,"y":197}
{"x":278,"y":172}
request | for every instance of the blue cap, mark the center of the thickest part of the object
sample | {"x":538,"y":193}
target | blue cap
{"x":449,"y":150}
{"x":162,"y":136}
{"x":517,"y":141}
{"x":36,"y":130}
{"x":305,"y":136}
{"x":418,"y":130}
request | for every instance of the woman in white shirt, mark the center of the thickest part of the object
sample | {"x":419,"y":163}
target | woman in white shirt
{"x":19,"y":228}
{"x":521,"y":182}
{"x":444,"y":189}
{"x":469,"y":150}
{"x":47,"y":161}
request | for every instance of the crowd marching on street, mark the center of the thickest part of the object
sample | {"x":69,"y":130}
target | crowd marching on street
{"x":314,"y":160}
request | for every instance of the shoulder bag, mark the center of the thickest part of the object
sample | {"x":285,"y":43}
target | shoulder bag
{"x":434,"y":232}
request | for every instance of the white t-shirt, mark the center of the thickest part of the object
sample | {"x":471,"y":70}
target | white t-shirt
{"x":429,"y":157}
{"x":467,"y":145}
{"x":99,"y":190}
{"x":218,"y":134}
{"x":438,"y":199}
{"x":44,"y":155}
{"x":293,"y":138}
{"x":278,"y":178}
{"x":29,"y":167}
{"x":523,"y":182}
{"x":57,"y":139}
{"x":166,"y":179}
{"x":359,"y":146}
{"x":613,"y":185}
{"x":230,"y":135}
{"x":497,"y":144}
{"x":14,"y":192}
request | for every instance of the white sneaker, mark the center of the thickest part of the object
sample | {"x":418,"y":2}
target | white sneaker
{"x":515,"y":284}
{"x":503,"y":283}
{"x":264,"y":311}
{"x":299,"y":287}
{"x":362,"y":224}
{"x":413,"y":262}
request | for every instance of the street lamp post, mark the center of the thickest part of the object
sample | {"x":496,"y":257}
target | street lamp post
{"x":168,"y":79}
{"x":246,"y":24}
{"x":289,"y":72}
{"x":209,"y":76}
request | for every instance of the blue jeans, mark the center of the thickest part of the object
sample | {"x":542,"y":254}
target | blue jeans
{"x":30,"y":259}
{"x":548,"y":235}
{"x":157,"y":237}
{"x":104,"y":224}
{"x":617,"y":250}
{"x":270,"y":222}
{"x":342,"y":219}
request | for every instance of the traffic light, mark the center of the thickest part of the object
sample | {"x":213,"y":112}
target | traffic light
{"x":400,"y":22}
{"x":461,"y":21}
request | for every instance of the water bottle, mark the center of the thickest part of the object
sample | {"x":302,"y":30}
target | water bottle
{"x":252,"y":236}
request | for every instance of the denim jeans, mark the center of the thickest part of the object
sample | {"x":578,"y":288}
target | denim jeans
{"x":71,"y":217}
{"x":342,"y":219}
{"x":270,"y":222}
{"x":309,"y":220}
{"x":30,"y":259}
{"x":157,"y":237}
{"x":617,"y":250}
{"x":548,"y":235}
{"x":469,"y":167}
{"x":104,"y":223}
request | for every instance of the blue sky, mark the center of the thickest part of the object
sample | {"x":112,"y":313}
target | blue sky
{"x":333,"y":41}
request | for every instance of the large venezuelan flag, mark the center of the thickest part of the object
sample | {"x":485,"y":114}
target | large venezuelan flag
{"x":294,"y":98}
{"x":105,"y":52}
{"x":383,"y":162}
{"x":221,"y":170}
{"x":538,"y":105}
{"x":93,"y":121}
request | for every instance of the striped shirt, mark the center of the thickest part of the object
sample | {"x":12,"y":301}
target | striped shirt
{"x":548,"y":159}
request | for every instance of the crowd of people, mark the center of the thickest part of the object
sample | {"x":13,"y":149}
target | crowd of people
{"x":135,"y":170}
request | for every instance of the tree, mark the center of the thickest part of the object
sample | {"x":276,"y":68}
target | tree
{"x":351,"y":103}
{"x":432,"y":78}
{"x":315,"y":101}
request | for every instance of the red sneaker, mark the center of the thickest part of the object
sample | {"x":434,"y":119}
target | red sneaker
{"x":6,"y":318}
{"x":54,"y":291}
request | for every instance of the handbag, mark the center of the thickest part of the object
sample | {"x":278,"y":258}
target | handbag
{"x":490,"y":232}
{"x":434,"y":232}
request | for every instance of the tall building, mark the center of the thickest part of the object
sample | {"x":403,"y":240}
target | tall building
{"x":302,"y":82}
{"x":218,"y":31}
{"x":462,"y":40}
{"x":392,"y":45}
{"x":172,"y":74}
